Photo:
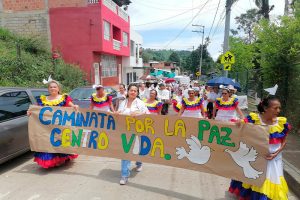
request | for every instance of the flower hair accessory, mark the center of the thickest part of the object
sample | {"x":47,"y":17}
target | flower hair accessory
{"x":272,"y":90}
{"x":48,"y":81}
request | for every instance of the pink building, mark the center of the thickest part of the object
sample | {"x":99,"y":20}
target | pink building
{"x":93,"y":34}
{"x":95,"y":37}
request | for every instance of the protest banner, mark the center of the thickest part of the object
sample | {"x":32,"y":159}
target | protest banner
{"x":215,"y":147}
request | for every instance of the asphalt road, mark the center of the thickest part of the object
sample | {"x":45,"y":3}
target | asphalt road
{"x":95,"y":178}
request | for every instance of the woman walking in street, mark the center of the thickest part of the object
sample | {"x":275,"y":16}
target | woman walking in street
{"x":227,"y":107}
{"x":121,"y":95}
{"x":101,"y":101}
{"x":131,"y":106}
{"x":274,"y":186}
{"x":192,"y":106}
{"x":55,"y":98}
{"x":154,"y":106}
{"x":177,"y":99}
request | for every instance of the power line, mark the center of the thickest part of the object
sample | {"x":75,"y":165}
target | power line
{"x":159,"y":8}
{"x":166,"y":23}
{"x":177,"y":36}
{"x":153,"y":22}
{"x":214,"y":18}
{"x":219,"y":23}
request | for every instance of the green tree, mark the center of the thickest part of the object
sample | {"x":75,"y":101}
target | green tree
{"x":279,"y":46}
{"x":174,"y":57}
{"x":192,"y":62}
{"x":33,"y":64}
{"x":146,"y":57}
{"x":246,"y":23}
{"x":244,"y":54}
{"x":264,"y":8}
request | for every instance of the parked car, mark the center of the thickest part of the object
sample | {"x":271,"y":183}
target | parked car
{"x":14,"y":103}
{"x":82,"y":95}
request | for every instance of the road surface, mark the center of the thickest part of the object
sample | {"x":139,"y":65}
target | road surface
{"x":95,"y":178}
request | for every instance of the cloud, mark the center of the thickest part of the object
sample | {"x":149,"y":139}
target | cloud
{"x":160,"y":22}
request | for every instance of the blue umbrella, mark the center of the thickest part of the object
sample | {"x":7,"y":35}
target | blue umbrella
{"x":223,"y":81}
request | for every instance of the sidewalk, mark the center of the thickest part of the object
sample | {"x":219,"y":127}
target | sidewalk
{"x":291,"y":160}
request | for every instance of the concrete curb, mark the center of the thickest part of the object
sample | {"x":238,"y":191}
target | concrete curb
{"x":292,"y":176}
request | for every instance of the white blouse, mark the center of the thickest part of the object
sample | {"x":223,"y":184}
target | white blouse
{"x":136,"y":106}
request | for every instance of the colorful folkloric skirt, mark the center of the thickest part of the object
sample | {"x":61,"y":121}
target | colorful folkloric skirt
{"x":274,"y":187}
{"x":49,"y":160}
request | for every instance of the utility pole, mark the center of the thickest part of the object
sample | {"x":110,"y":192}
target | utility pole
{"x":201,"y":52}
{"x":227,"y":29}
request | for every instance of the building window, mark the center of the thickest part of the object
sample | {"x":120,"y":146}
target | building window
{"x":132,"y":48}
{"x":125,"y":39}
{"x":109,"y":66}
{"x":106,"y":30}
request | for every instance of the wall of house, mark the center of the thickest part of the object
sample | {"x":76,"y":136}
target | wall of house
{"x":75,"y":32}
{"x":30,"y":17}
{"x":114,"y":20}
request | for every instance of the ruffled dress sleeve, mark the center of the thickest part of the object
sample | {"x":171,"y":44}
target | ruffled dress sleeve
{"x":68,"y":100}
{"x":279,"y":131}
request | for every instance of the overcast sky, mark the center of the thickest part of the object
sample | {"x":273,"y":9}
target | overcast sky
{"x":166,"y":24}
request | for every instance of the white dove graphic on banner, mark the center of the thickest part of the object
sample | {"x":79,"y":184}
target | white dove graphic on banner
{"x":242,"y":157}
{"x":198,"y":154}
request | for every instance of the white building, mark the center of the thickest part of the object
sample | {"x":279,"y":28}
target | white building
{"x":133,"y":65}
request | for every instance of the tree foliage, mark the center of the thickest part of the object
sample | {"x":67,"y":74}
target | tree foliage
{"x":174,"y":57}
{"x":192,"y":62}
{"x":33,"y":64}
{"x":264,"y":8}
{"x":246,"y":23}
{"x":279,"y":47}
{"x":272,"y":57}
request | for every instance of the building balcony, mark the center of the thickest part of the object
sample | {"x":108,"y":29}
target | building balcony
{"x":116,"y":45}
{"x":113,"y":7}
{"x":123,"y":14}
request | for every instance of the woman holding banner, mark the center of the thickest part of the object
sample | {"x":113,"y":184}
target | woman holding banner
{"x":192,"y":106}
{"x":274,"y":186}
{"x":154,"y":106}
{"x":131,"y":106}
{"x":48,"y":160}
{"x":227,"y":107}
{"x":101,"y":101}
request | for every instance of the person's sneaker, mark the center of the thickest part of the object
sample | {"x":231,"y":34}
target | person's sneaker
{"x":139,"y":168}
{"x":123,"y":181}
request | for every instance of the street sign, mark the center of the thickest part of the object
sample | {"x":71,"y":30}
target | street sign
{"x":227,"y":67}
{"x":198,"y":74}
{"x":228,"y":57}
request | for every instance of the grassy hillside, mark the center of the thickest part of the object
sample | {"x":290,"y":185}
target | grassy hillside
{"x":26,"y":62}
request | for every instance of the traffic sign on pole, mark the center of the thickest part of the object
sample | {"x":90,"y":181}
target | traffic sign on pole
{"x":228,"y":57}
{"x":227,"y":67}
